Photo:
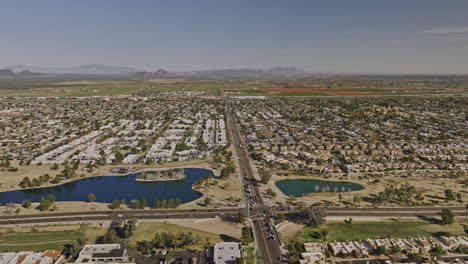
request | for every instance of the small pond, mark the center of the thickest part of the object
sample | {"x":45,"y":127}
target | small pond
{"x":301,"y":187}
{"x":109,"y":188}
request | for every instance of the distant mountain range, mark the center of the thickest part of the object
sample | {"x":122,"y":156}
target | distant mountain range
{"x":101,"y":69}
{"x":97,"y":69}
{"x":253,"y":73}
{"x":24,"y":73}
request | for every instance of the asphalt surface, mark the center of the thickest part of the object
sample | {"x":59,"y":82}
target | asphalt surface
{"x":84,"y":217}
{"x":260,"y":214}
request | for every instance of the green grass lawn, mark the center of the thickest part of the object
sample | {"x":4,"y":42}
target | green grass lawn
{"x":43,"y":240}
{"x":341,"y":231}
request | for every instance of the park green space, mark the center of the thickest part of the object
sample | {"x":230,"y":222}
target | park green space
{"x":340,"y":231}
{"x":36,"y":240}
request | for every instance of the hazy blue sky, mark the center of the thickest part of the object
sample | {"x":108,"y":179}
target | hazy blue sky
{"x":394,"y":36}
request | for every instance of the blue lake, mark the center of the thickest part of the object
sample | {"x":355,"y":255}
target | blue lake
{"x":109,"y":188}
{"x":301,"y":187}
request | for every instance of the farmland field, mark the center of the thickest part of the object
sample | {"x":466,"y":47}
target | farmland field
{"x":58,"y":87}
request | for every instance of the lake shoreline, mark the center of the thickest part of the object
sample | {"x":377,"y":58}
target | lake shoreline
{"x":129,"y":191}
{"x":198,"y":164}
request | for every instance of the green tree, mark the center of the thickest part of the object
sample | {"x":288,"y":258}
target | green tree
{"x":415,"y":258}
{"x":239,"y":261}
{"x":44,"y":204}
{"x":70,"y":250}
{"x":115,"y":204}
{"x":25,"y":183}
{"x":26,"y":203}
{"x":449,"y":195}
{"x":110,"y":237}
{"x":265,"y":175}
{"x":157,"y":204}
{"x":207,"y":201}
{"x":281,"y":217}
{"x":247,"y":235}
{"x":380,"y":250}
{"x":313,"y":216}
{"x":447,"y":216}
{"x":129,"y":228}
{"x":91,"y":197}
{"x":357,"y":199}
{"x":240,"y":217}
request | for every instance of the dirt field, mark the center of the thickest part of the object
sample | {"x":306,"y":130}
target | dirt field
{"x":329,"y":91}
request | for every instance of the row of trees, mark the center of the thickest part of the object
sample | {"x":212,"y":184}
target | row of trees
{"x":143,"y":203}
{"x":247,"y":235}
{"x":167,"y":240}
{"x":404,"y":194}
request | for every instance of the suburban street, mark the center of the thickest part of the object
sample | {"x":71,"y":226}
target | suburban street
{"x":269,"y":246}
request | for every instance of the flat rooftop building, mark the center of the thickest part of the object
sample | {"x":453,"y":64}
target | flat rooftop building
{"x":227,"y":252}
{"x":109,"y":253}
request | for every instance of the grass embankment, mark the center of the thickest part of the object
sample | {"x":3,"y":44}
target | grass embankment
{"x":340,"y":231}
{"x":251,"y":256}
{"x":47,"y":237}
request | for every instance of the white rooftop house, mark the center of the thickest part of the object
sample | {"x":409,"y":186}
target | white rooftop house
{"x":227,"y":252}
{"x":108,"y":253}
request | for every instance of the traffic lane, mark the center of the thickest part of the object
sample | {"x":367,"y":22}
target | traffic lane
{"x":273,"y":244}
{"x":14,"y":221}
{"x":132,"y":212}
{"x":262,"y":242}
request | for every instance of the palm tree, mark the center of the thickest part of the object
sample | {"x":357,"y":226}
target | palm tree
{"x":17,"y":211}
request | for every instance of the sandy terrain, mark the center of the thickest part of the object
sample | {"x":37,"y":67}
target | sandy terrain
{"x":288,"y":230}
{"x":216,"y":226}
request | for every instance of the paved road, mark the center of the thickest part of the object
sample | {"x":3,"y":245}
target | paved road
{"x":261,"y":214}
{"x":115,"y":215}
{"x":212,"y":213}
